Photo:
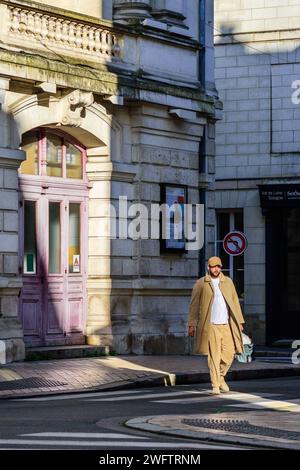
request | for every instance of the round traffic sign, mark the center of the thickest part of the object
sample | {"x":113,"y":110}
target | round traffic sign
{"x":235,"y":243}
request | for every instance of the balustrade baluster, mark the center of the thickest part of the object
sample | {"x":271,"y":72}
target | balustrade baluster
{"x":58,"y":32}
{"x":23,"y":22}
{"x":44,"y":31}
{"x":65,"y":32}
{"x":51,"y":26}
{"x":30,"y":24}
{"x":37,"y":25}
{"x":92,"y":39}
{"x":15,"y":19}
{"x":78,"y":36}
{"x":72,"y":38}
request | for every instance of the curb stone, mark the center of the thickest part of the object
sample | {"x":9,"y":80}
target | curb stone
{"x":159,"y":425}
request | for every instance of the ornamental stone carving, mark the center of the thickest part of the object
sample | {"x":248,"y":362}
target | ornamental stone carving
{"x":73,"y":107}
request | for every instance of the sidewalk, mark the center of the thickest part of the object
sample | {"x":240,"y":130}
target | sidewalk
{"x":108,"y":373}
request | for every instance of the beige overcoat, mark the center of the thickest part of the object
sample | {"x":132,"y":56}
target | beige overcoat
{"x":200,"y":311}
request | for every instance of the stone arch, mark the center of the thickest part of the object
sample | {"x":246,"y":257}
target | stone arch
{"x":97,"y":129}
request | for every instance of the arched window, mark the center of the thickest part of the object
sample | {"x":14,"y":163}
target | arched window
{"x":51,"y":154}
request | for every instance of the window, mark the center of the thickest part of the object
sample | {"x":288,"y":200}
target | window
{"x":73,"y":161}
{"x":30,"y":146}
{"x":233,"y":266}
{"x":54,"y":155}
{"x":50,"y":154}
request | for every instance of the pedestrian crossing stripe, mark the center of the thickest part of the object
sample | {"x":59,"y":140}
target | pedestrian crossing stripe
{"x":87,"y":435}
{"x":209,"y":397}
{"x":153,"y":395}
{"x":74,"y":396}
{"x":273,"y":405}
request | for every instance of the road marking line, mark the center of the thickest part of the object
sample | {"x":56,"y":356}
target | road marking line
{"x":273,"y":405}
{"x":152,"y":395}
{"x":73,"y":396}
{"x":235,"y":396}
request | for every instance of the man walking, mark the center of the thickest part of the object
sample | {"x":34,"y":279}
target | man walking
{"x":216,"y":318}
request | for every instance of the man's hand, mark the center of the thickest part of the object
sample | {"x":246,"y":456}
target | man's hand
{"x":241,"y":327}
{"x":192,"y":331}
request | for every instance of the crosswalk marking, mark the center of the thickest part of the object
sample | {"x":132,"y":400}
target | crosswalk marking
{"x":249,"y":400}
{"x":233,"y":396}
{"x":186,"y":401}
{"x":71,"y":396}
{"x":253,"y":401}
{"x":260,"y":401}
{"x":87,"y":435}
{"x":271,"y":404}
{"x":151,"y":395}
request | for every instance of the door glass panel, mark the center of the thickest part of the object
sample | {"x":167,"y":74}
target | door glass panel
{"x":73,"y":162}
{"x":54,"y":156}
{"x":54,"y":238}
{"x":29,"y":265}
{"x":74,"y":238}
{"x":30,"y":146}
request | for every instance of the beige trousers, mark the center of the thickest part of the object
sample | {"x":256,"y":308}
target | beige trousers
{"x":220,"y":352}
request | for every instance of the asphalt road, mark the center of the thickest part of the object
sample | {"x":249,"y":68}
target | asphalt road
{"x":96,"y":420}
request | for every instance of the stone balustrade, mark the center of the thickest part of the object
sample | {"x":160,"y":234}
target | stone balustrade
{"x":47,"y":29}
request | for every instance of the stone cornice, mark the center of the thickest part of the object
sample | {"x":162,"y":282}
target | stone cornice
{"x":10,"y":158}
{"x":33,"y":68}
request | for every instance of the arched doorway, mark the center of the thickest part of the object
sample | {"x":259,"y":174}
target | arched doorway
{"x":53,"y":238}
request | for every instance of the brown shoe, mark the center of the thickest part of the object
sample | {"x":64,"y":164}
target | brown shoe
{"x":224,"y":387}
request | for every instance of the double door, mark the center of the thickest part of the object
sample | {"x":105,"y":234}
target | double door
{"x":53,"y":264}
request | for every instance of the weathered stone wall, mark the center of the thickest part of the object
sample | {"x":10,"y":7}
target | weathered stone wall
{"x":151,"y":289}
{"x":258,"y":141}
{"x":11,"y":333}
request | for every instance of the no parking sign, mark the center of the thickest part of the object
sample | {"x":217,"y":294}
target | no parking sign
{"x":235,"y":243}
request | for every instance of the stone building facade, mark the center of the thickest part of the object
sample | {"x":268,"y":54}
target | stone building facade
{"x":99,"y":99}
{"x":258,"y":155}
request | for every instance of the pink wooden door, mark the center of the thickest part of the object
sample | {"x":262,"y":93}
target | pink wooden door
{"x":52,"y":302}
{"x":53,"y":190}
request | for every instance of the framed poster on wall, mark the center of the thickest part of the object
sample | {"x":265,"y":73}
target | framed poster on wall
{"x":172,"y":223}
